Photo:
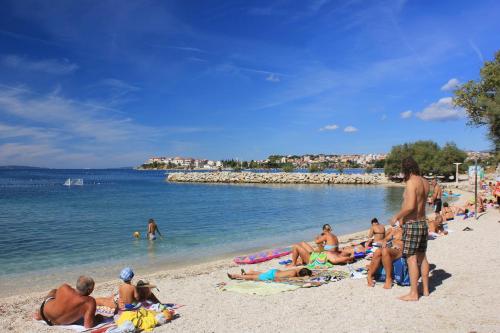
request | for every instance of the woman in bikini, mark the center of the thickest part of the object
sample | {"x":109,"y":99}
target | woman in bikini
{"x":271,"y":275}
{"x":392,"y":249}
{"x":376,"y":235}
{"x":327,"y":242}
{"x":447,"y":213}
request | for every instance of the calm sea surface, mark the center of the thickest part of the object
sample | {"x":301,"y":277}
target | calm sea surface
{"x":51,"y":233}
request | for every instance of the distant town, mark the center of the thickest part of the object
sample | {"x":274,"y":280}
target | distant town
{"x":274,"y":161}
{"x":309,"y":161}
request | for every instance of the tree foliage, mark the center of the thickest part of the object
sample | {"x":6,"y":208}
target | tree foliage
{"x":432,"y":159}
{"x":481,"y":100}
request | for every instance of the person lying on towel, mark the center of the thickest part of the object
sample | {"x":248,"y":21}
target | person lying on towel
{"x":271,"y":275}
{"x":66,"y":306}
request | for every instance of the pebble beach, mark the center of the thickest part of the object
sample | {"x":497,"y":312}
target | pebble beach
{"x":463,"y":294}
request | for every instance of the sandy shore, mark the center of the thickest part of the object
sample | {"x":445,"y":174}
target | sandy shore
{"x":463,"y":299}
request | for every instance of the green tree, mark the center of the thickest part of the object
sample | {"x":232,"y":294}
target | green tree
{"x":288,"y":167}
{"x":481,"y":100}
{"x":379,"y":164}
{"x":430,"y":157}
{"x":314,"y":168}
{"x":424,"y":153}
{"x":369,"y":169}
{"x":448,"y":155}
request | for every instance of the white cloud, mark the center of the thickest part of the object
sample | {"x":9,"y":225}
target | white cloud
{"x":452,"y":84}
{"x":332,"y":127}
{"x":350,"y":129}
{"x":273,"y":78}
{"x":441,"y":110}
{"x":50,"y":66}
{"x":407,"y":114}
{"x":51,"y":130}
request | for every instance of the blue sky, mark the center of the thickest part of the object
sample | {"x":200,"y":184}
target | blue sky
{"x":110,"y":83}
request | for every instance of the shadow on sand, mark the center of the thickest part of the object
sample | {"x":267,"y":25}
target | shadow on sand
{"x":436,"y":278}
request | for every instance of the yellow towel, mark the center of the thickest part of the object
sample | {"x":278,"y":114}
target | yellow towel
{"x":142,"y":319}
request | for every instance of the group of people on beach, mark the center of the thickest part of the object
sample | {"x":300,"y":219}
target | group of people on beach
{"x":406,"y":237}
{"x":67,"y":305}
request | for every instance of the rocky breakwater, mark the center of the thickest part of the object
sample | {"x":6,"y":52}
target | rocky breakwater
{"x":275,"y":178}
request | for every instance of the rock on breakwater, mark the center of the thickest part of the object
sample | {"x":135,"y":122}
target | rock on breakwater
{"x":276,"y":178}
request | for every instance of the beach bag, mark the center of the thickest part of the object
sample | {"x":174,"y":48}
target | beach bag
{"x":400,"y":273}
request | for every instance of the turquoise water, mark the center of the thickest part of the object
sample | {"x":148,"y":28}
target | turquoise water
{"x":52,"y":231}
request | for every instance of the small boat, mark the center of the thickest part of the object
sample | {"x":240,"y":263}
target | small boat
{"x":73,"y":182}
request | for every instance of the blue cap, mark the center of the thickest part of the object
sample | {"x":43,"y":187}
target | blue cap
{"x":127,"y":274}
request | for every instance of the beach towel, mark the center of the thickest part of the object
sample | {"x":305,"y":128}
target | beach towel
{"x":400,"y":273}
{"x":144,"y":320}
{"x":318,"y":260}
{"x":105,"y":311}
{"x":101,"y":328}
{"x":259,"y":288}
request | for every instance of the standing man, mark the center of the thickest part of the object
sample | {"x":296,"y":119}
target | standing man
{"x":152,"y":229}
{"x":437,"y":192}
{"x":413,"y":221}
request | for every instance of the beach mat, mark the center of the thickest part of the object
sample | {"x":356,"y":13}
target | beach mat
{"x":101,"y":328}
{"x":259,"y":288}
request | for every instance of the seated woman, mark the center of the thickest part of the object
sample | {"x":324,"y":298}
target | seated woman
{"x":144,"y":292}
{"x":387,"y":255}
{"x":376,"y":235}
{"x":447,"y":212}
{"x":326,"y":241}
{"x":271,"y":275}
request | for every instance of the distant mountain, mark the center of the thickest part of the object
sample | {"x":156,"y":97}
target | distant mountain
{"x":18,"y":167}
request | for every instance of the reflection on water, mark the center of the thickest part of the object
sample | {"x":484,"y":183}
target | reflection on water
{"x":393,"y":198}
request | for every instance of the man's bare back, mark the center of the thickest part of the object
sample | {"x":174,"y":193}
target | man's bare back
{"x":67,"y":307}
{"x":417,"y":189}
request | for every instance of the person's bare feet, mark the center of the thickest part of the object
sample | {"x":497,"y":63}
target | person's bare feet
{"x":36,"y":316}
{"x":409,"y":298}
{"x":369,"y":281}
{"x":425,"y":292}
{"x":388,"y":284}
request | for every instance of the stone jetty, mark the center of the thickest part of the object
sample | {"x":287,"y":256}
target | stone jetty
{"x":275,"y":178}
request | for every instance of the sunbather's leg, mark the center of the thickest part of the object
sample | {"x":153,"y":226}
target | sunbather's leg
{"x":388,"y":256}
{"x":375,"y":263}
{"x":106,"y":301}
{"x":244,"y":277}
{"x":298,"y":251}
{"x":335,"y":258}
{"x":307,"y":247}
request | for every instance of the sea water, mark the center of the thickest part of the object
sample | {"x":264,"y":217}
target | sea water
{"x":51,"y":233}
